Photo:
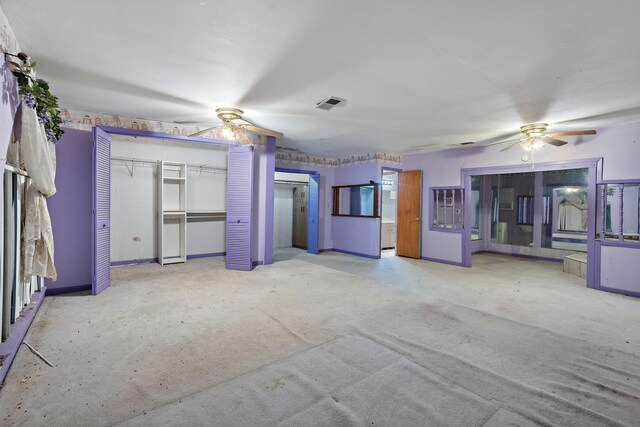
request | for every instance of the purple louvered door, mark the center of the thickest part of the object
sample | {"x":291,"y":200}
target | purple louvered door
{"x":239,"y":208}
{"x":101,"y":211}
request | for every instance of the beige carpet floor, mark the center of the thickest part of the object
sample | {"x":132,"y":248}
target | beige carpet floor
{"x":333,"y":340}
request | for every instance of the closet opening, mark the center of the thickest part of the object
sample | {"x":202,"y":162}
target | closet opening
{"x":295,"y":214}
{"x":389,"y":227}
{"x":168,"y":200}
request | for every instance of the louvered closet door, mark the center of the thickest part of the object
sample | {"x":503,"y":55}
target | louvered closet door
{"x":239,"y":208}
{"x":101,"y":211}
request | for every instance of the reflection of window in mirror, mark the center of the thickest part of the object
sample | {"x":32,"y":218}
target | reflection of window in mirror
{"x":571,"y":208}
{"x":556,"y":231}
{"x":476,"y":182}
{"x":511,"y":208}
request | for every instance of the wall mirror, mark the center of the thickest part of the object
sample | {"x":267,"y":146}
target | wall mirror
{"x":356,"y":200}
{"x":570,"y":205}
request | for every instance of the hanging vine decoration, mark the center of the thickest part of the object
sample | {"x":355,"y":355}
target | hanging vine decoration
{"x":36,"y":94}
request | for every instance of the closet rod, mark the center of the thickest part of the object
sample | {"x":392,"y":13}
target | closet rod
{"x":155,"y":162}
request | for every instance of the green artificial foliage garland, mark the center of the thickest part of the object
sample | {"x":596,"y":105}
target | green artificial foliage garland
{"x":36,"y":94}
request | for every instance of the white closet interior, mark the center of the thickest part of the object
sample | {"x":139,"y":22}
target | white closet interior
{"x":135,"y":197}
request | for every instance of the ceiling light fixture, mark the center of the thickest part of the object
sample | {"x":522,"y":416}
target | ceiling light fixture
{"x":227,"y":132}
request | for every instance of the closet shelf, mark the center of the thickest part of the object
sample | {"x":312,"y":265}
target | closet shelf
{"x":173,"y":178}
{"x":173,"y":212}
{"x":206,"y":212}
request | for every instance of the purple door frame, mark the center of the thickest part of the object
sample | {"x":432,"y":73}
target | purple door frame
{"x":594,"y":165}
{"x":269,"y":221}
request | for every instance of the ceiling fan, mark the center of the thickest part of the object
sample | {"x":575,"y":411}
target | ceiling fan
{"x":232,"y":130}
{"x":535,"y":136}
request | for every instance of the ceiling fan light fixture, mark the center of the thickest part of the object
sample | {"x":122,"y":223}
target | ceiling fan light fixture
{"x":227,"y":132}
{"x":537,"y":143}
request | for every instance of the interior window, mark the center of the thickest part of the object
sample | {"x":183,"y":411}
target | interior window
{"x":447,"y":208}
{"x":621,"y":220}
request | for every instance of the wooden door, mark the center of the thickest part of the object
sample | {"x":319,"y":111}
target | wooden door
{"x":409,"y":213}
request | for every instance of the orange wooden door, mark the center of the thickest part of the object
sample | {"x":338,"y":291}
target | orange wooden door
{"x":409,"y":213}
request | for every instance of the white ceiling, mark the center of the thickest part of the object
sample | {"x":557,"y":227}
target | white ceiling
{"x":417,"y":75}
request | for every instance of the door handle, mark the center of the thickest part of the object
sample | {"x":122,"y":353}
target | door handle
{"x":417,"y":219}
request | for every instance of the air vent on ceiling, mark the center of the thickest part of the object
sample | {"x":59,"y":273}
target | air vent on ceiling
{"x":329,"y":103}
{"x":467,"y":143}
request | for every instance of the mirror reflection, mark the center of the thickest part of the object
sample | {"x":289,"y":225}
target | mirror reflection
{"x":356,"y":200}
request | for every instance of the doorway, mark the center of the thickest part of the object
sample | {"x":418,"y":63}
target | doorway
{"x":388,"y":233}
{"x":295,"y":208}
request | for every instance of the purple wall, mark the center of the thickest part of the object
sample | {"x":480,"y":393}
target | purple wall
{"x":357,"y":235}
{"x":70,"y":210}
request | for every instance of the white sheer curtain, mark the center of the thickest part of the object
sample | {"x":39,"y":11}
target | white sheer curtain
{"x":37,"y":158}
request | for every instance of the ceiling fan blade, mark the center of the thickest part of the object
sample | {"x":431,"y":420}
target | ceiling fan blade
{"x":556,"y":142}
{"x":499,"y":139}
{"x":510,"y":146}
{"x":201,"y":132}
{"x":502,"y":142}
{"x":627,"y":114}
{"x":574,"y":132}
{"x":262,"y":131}
{"x":243,"y":138}
{"x":194,"y":122}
